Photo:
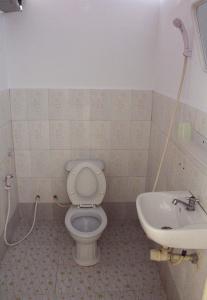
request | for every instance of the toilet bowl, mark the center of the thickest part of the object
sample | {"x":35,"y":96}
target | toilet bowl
{"x":86,"y":219}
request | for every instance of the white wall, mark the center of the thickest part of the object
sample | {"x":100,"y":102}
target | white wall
{"x":169,"y":57}
{"x":82,"y":43}
{"x":3,"y":75}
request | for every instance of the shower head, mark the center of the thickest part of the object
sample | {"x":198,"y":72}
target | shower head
{"x":178,"y":23}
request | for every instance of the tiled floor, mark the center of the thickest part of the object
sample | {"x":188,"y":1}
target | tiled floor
{"x":42,"y":267}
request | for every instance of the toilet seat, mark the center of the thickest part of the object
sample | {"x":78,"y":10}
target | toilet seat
{"x":74,"y":213}
{"x":86,"y":185}
{"x":85,"y":220}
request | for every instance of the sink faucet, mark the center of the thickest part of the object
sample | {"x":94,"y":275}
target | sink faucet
{"x":190,"y":205}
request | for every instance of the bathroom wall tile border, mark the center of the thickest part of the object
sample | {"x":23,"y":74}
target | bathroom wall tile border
{"x":81,"y":104}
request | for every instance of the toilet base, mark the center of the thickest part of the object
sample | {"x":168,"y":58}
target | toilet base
{"x":86,"y":254}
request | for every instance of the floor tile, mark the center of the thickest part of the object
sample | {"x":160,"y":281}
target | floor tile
{"x":42,"y":267}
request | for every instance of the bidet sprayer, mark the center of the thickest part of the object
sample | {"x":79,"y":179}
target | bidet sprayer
{"x":178,"y":23}
{"x":8,"y":181}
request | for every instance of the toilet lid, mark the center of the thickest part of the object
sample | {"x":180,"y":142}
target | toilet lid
{"x":86,"y":184}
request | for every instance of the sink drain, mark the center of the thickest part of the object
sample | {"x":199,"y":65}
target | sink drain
{"x":166,"y":227}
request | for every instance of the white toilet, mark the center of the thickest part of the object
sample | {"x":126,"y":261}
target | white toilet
{"x":86,"y":219}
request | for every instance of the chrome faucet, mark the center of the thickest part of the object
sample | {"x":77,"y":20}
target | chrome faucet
{"x":190,"y":205}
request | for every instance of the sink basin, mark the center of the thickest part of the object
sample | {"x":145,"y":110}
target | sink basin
{"x":172,"y":225}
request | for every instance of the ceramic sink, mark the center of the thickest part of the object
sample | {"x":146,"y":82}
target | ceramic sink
{"x":172,"y":225}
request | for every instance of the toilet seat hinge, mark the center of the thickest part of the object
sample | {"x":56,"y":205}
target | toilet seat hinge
{"x":86,"y":205}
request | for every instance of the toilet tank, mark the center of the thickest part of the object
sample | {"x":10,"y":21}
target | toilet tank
{"x":73,"y":163}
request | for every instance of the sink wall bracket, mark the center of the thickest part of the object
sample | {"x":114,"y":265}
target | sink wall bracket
{"x":166,"y":254}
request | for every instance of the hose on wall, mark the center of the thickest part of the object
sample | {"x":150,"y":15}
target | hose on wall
{"x":8,"y":189}
{"x":171,"y":124}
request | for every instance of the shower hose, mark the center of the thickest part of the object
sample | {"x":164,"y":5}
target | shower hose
{"x":171,"y":124}
{"x":8,"y":189}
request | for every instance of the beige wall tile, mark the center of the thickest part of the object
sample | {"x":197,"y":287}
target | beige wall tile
{"x":37,"y":104}
{"x":5,"y":111}
{"x":20,"y":135}
{"x":25,"y":189}
{"x":43,"y":188}
{"x":139,"y":134}
{"x":60,"y":135}
{"x":6,"y":140}
{"x":29,"y":188}
{"x":59,"y":189}
{"x":184,"y":172}
{"x":201,"y":123}
{"x":99,"y":124}
{"x":137,"y":163}
{"x":117,"y":189}
{"x":58,"y":104}
{"x":162,"y":109}
{"x":80,"y":154}
{"x":38,"y":134}
{"x":100,"y":135}
{"x":141,"y":105}
{"x":157,"y":140}
{"x":136,"y":186}
{"x":118,"y":163}
{"x":5,"y":166}
{"x":187,"y":114}
{"x":99,"y":105}
{"x":120,"y":105}
{"x":69,"y":104}
{"x":120,"y":135}
{"x":40,"y":163}
{"x":23,"y":163}
{"x":78,"y":105}
{"x":29,"y":104}
{"x":125,"y":189}
{"x":18,"y":104}
{"x":58,"y":159}
{"x":80,"y":131}
{"x":103,"y":155}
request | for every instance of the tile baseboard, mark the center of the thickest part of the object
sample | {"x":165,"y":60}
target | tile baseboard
{"x":50,"y":211}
